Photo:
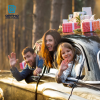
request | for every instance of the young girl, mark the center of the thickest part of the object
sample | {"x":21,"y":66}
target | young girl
{"x":65,"y":58}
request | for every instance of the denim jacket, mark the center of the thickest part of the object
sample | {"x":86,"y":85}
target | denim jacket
{"x":27,"y":71}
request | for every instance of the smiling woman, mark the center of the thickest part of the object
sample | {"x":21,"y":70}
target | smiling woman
{"x":50,"y":41}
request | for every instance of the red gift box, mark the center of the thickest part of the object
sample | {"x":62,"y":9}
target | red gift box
{"x":69,"y":27}
{"x":90,"y":26}
{"x":22,"y":64}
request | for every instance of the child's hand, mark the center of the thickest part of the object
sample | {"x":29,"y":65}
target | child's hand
{"x":64,"y":65}
{"x":65,"y":61}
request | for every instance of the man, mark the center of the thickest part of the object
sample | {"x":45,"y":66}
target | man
{"x":34,"y":65}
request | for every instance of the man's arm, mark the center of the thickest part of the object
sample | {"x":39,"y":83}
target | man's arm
{"x":18,"y":75}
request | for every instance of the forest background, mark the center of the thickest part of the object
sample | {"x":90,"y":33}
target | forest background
{"x":35,"y":18}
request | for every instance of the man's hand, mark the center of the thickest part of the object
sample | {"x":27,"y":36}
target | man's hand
{"x":12,"y":59}
{"x":37,"y":71}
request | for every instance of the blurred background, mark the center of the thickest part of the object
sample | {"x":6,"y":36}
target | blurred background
{"x":35,"y":18}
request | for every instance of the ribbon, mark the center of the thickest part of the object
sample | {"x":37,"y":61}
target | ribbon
{"x":72,"y":26}
{"x":90,"y":26}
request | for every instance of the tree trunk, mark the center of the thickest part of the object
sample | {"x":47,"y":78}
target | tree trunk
{"x":66,"y":8}
{"x":38,"y":27}
{"x":55,"y":13}
{"x":47,"y":15}
{"x":29,"y":23}
{"x":1,"y":46}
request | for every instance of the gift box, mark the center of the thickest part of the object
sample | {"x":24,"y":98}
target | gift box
{"x":76,"y":14}
{"x":22,"y":64}
{"x":87,"y":10}
{"x":96,"y":25}
{"x":69,"y":27}
{"x":90,"y":26}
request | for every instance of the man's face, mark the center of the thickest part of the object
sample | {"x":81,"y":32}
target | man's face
{"x":29,"y":58}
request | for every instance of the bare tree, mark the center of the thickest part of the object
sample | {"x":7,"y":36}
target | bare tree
{"x":38,"y":27}
{"x":55,"y":13}
{"x":47,"y":14}
{"x":66,"y":8}
{"x":0,"y":33}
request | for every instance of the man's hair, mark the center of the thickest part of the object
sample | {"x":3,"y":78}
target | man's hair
{"x":27,"y":49}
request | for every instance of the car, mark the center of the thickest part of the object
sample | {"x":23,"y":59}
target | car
{"x":45,"y":87}
{"x":1,"y":94}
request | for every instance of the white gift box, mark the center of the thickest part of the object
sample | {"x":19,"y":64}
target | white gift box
{"x":65,"y":21}
{"x":76,"y":14}
{"x":87,"y":10}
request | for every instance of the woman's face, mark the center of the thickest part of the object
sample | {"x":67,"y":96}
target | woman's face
{"x":50,"y":43}
{"x":67,"y":54}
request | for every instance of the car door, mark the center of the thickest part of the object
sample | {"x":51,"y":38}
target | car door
{"x":49,"y":89}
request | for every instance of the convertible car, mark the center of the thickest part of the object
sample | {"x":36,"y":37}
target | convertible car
{"x":44,"y":86}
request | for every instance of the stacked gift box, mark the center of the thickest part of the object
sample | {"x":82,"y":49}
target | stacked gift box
{"x":89,"y":26}
{"x":69,"y":27}
{"x":87,"y":21}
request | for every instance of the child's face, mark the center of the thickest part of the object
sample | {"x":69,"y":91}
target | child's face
{"x":67,"y":54}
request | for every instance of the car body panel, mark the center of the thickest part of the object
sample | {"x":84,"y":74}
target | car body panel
{"x":46,"y":88}
{"x":14,"y":90}
{"x":49,"y":84}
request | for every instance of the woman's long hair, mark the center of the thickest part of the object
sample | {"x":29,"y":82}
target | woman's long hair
{"x":60,"y":47}
{"x":45,"y":53}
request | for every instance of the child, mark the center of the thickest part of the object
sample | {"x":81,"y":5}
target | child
{"x":65,"y":57}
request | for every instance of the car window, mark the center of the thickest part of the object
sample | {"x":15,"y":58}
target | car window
{"x":77,"y":65}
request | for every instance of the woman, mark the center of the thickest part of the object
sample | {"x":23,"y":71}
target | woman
{"x":50,"y":41}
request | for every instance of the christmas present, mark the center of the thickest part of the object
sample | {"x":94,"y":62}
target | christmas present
{"x":22,"y":64}
{"x":87,"y":10}
{"x":65,"y":21}
{"x":88,"y":26}
{"x":69,"y":27}
{"x":82,"y":17}
{"x":70,"y":16}
{"x":76,"y":14}
{"x":96,"y":25}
